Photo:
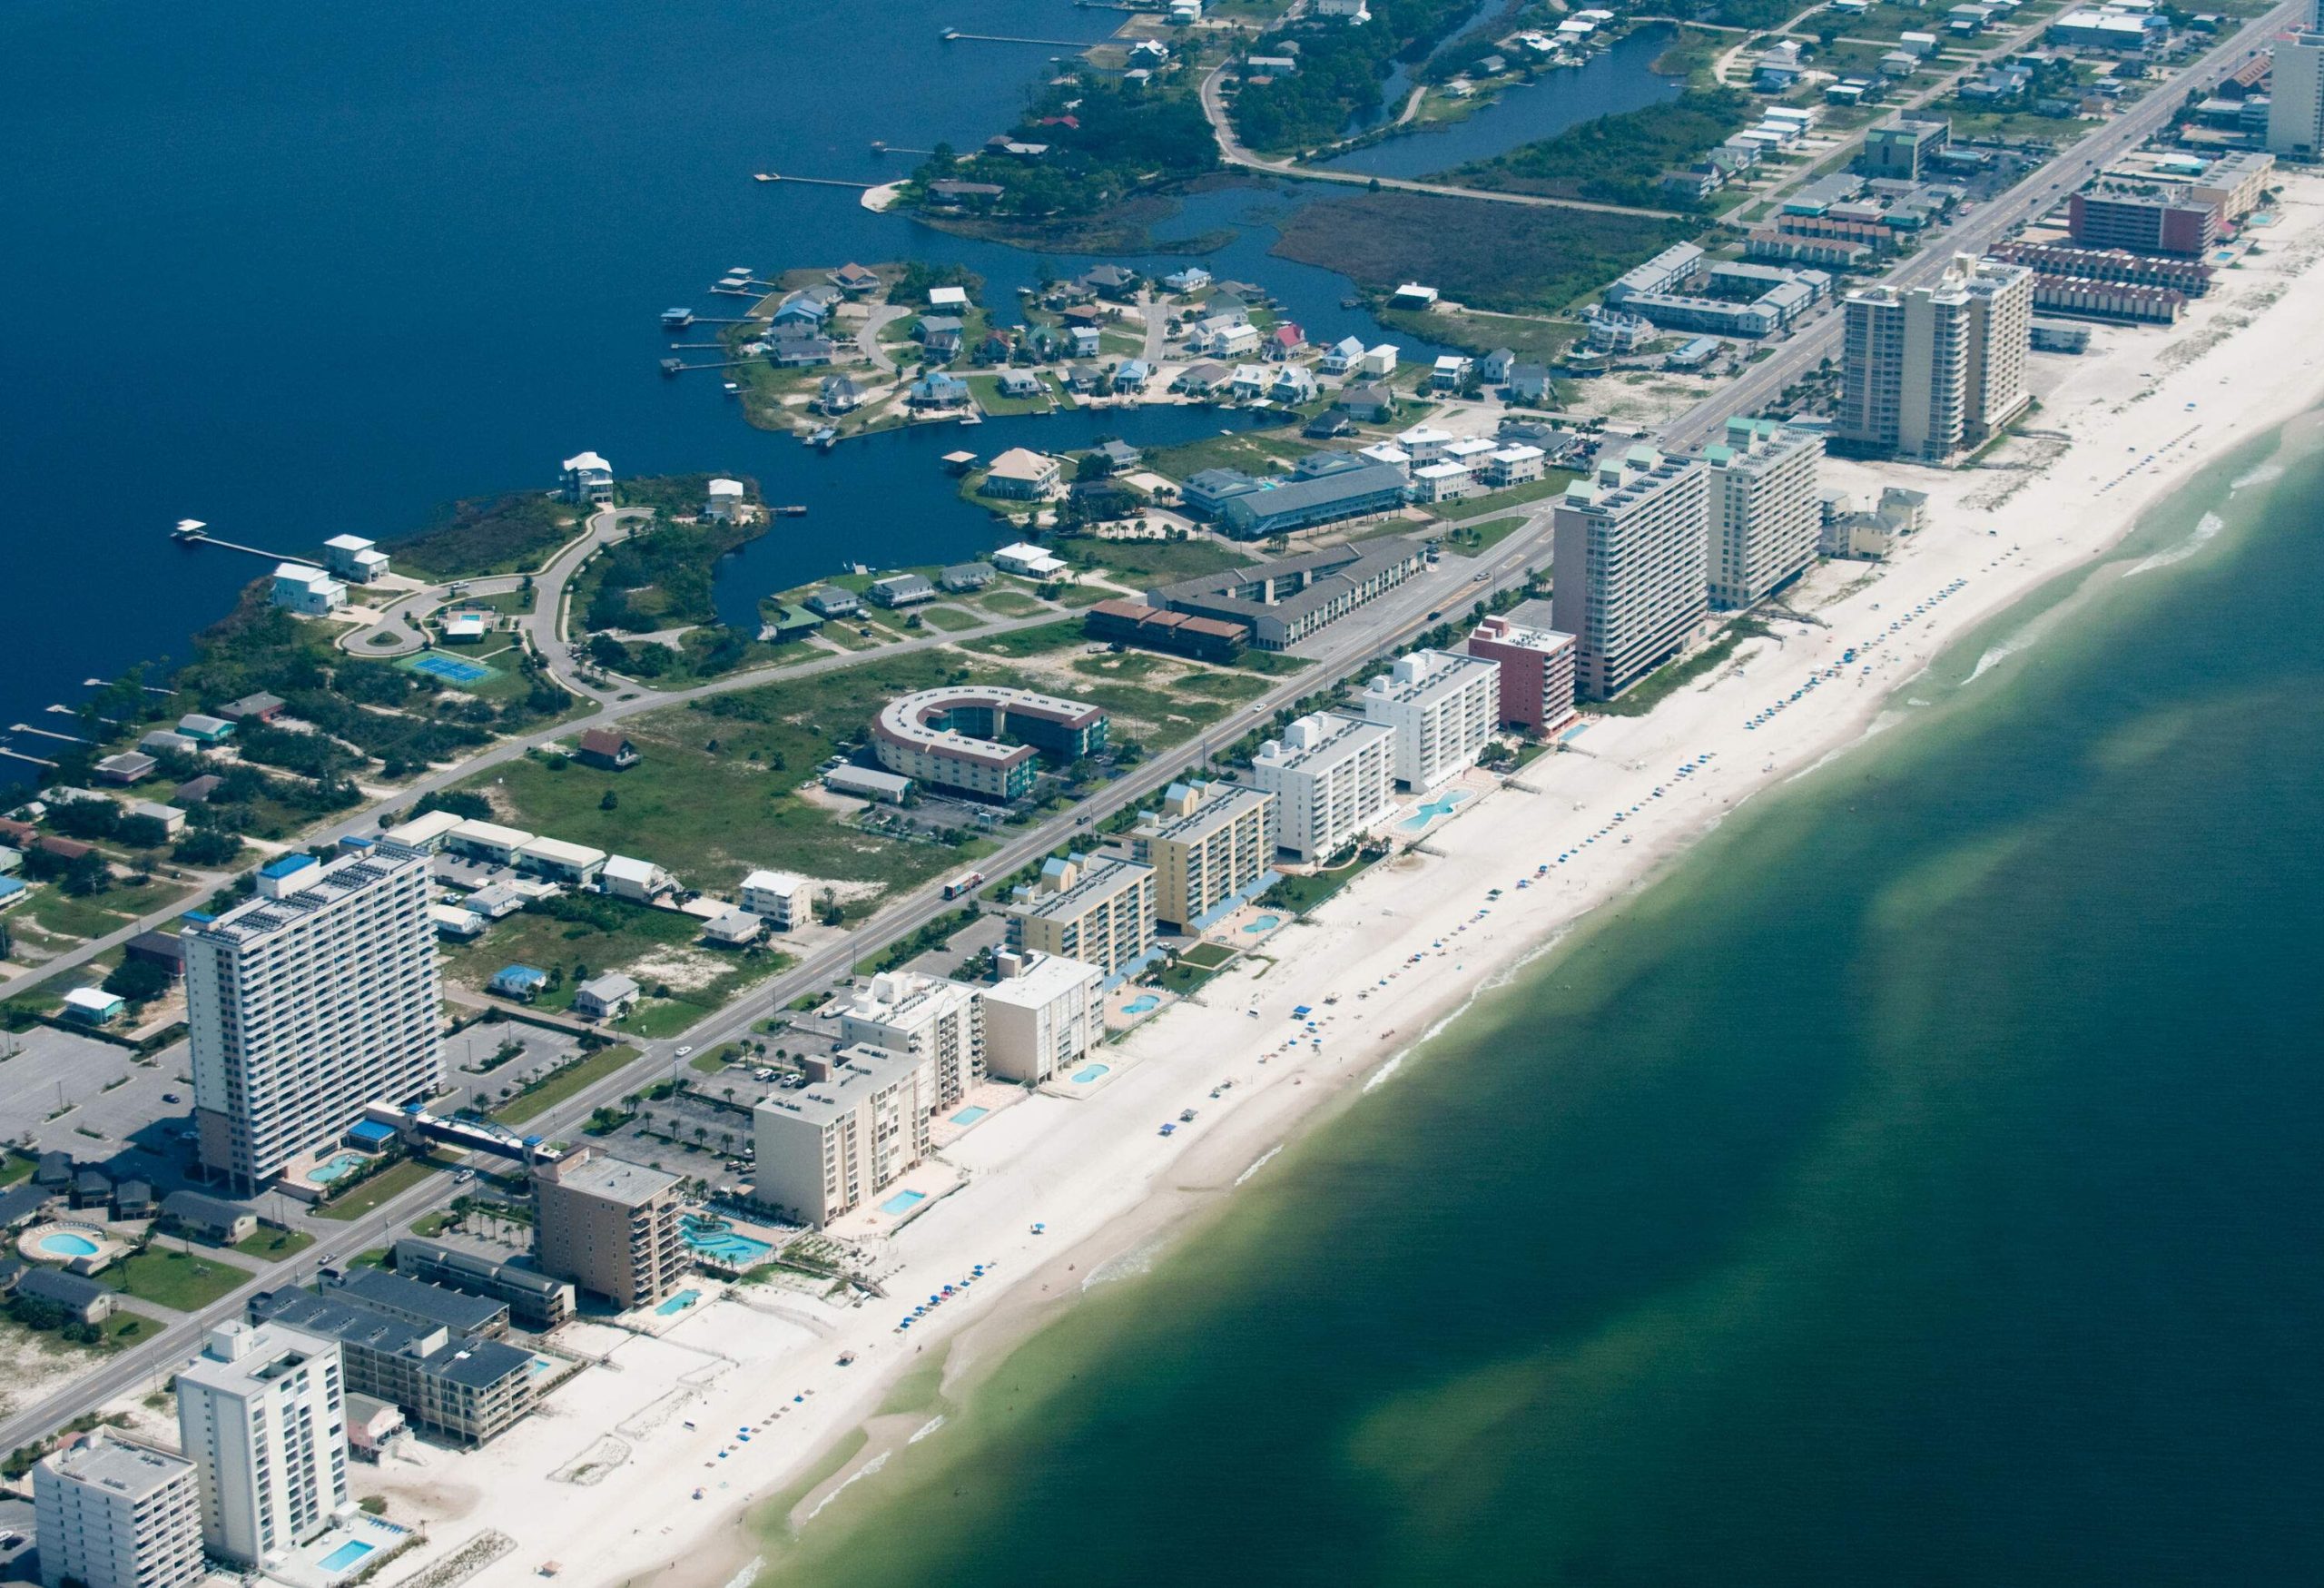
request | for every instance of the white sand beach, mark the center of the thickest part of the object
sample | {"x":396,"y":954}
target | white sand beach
{"x":602,"y":1481}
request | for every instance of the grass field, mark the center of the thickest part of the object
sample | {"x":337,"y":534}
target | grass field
{"x":273,"y":1244}
{"x":1039,"y":640}
{"x":1157,"y":562}
{"x":169,"y":1277}
{"x":713,"y":798}
{"x":1253,"y":452}
{"x":951,"y":619}
{"x":573,"y":1079}
{"x":1550,"y":485}
{"x":382,"y":1186}
{"x":1480,"y":538}
{"x":1009,"y":602}
{"x":1299,"y":894}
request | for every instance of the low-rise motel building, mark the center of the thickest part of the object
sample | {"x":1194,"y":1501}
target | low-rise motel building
{"x":858,"y":1125}
{"x":1536,"y":661}
{"x":1333,"y":778}
{"x":957,"y":738}
{"x":1210,"y":845}
{"x":1099,"y":912}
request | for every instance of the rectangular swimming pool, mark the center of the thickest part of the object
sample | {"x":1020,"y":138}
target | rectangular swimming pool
{"x":903,"y":1203}
{"x":969,"y":1115}
{"x":346,"y":1555}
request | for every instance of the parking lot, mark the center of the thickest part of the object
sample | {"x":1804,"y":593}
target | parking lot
{"x":117,"y":1110}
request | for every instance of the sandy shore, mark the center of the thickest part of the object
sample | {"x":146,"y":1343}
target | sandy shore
{"x":602,"y":1481}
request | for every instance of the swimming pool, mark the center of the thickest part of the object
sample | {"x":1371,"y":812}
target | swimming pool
{"x":715,"y":1241}
{"x":66,"y":1244}
{"x":337,"y":1167}
{"x":1442,"y":805}
{"x":680,"y":1302}
{"x":1089,"y":1073}
{"x":903,"y":1201}
{"x":970,"y":1115}
{"x":1264,"y":923}
{"x":452,"y":669}
{"x":1141,"y":1004}
{"x":541,"y":1364}
{"x":346,"y":1555}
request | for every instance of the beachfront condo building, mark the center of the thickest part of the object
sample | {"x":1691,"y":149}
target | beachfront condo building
{"x":1629,"y":563}
{"x":1536,"y":661}
{"x":1043,"y":1016}
{"x":1928,"y":370}
{"x":1333,"y":778}
{"x":930,"y":1017}
{"x":1766,"y":512}
{"x":2296,"y":95}
{"x":1099,"y":912}
{"x":308,"y":1002}
{"x":263,"y":1415}
{"x":609,"y":1226}
{"x":858,"y":1126}
{"x":1439,"y":707}
{"x":111,"y":1513}
{"x":1209,"y":845}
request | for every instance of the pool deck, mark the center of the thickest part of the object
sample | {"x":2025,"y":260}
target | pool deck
{"x":303,"y":1567}
{"x":934,"y":1180}
{"x":1118,"y":1015}
{"x":991,"y":1096}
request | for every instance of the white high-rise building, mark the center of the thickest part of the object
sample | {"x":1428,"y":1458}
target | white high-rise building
{"x":1629,"y":560}
{"x":1044,"y":1015}
{"x":1766,"y":515}
{"x":2296,"y":95}
{"x":1333,"y":778}
{"x":941,"y":1020}
{"x":1927,"y":371}
{"x":109,"y":1514}
{"x":308,"y":1002}
{"x":1442,"y":706}
{"x":262,"y":1414}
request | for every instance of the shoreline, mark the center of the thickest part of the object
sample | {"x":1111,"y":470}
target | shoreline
{"x":1109,"y":1188}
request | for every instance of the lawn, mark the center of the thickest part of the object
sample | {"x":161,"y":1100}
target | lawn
{"x":1532,"y":338}
{"x":1517,"y":496}
{"x":1154,"y":562}
{"x":379,"y":1189}
{"x":1480,"y":538}
{"x":573,"y":1079}
{"x":986,"y":390}
{"x":951,"y":619}
{"x":53,"y":911}
{"x":273,"y":1244}
{"x":1010,"y":603}
{"x":1299,"y":894}
{"x":1255,"y":452}
{"x":169,"y":1277}
{"x":714,"y":797}
{"x":1064,"y":634}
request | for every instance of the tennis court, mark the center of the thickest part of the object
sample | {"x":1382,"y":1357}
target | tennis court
{"x":450,"y":669}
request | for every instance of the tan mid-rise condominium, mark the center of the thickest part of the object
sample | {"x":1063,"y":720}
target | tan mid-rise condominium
{"x":609,"y":1226}
{"x":1927,"y":371}
{"x":1209,"y":845}
{"x":1766,"y":515}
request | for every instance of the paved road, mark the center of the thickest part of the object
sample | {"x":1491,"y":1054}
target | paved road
{"x":1234,"y":152}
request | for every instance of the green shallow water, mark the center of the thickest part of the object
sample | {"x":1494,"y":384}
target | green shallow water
{"x":1920,"y":1184}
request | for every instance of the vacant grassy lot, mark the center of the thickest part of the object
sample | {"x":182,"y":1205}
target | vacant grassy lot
{"x":1009,"y":602}
{"x":273,"y":1244}
{"x":1064,"y":634}
{"x":951,"y":619}
{"x":486,"y":534}
{"x":1479,"y":539}
{"x":1255,"y":452}
{"x":1488,"y":256}
{"x":1517,"y":496}
{"x":379,"y":1189}
{"x":1153,"y":562}
{"x":714,"y":797}
{"x":174,"y":1279}
{"x":1299,"y":894}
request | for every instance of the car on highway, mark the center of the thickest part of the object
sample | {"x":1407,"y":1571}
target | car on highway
{"x":681,"y":1049}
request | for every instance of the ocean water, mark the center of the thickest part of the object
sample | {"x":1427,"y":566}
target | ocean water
{"x":1919,"y":1184}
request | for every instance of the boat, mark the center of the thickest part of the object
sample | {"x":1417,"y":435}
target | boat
{"x":765,"y":176}
{"x":791,"y":510}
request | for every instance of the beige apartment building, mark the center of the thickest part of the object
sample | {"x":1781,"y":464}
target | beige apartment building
{"x":928,"y":1016}
{"x":1766,"y":515}
{"x":858,"y":1125}
{"x":1101,"y":913}
{"x":1927,"y":371}
{"x":1209,"y":845}
{"x":608,"y":1226}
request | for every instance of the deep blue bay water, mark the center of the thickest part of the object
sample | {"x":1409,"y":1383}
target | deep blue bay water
{"x":301,"y":270}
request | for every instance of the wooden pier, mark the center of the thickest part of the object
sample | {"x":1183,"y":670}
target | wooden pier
{"x":192,"y":534}
{"x":879,"y":147}
{"x":673,"y":367}
{"x":814,"y":181}
{"x":20,"y":755}
{"x":954,"y":35}
{"x":45,"y":734}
